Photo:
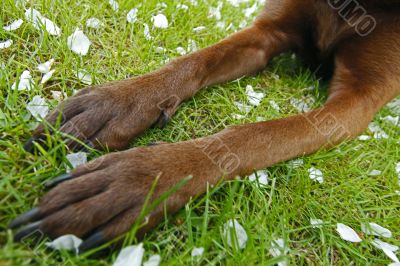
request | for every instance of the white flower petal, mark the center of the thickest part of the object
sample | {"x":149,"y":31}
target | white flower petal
{"x":94,"y":23}
{"x":300,"y":105}
{"x":160,"y":50}
{"x":261,"y":176}
{"x":182,"y":6}
{"x":197,"y":252}
{"x":84,"y":77}
{"x":58,"y":95}
{"x":387,"y":248}
{"x":46,"y":77}
{"x":199,"y":29}
{"x":13,"y":25}
{"x":250,"y":11}
{"x":131,"y":17}
{"x":46,"y":66}
{"x":254,"y":98}
{"x":181,"y":50}
{"x":278,"y":248}
{"x":76,"y":159}
{"x":375,"y":173}
{"x":130,"y":256}
{"x":215,"y":12}
{"x":78,"y":42}
{"x":393,"y":120}
{"x":232,"y":228}
{"x":378,"y":131}
{"x":397,"y":169}
{"x":25,"y":82}
{"x":316,"y":223}
{"x":146,"y":32}
{"x":274,"y":105}
{"x":6,"y":44}
{"x":114,"y":5}
{"x":376,"y":230}
{"x":154,"y":260}
{"x":38,"y":107}
{"x":364,"y":137}
{"x":394,"y":106}
{"x":192,"y":46}
{"x":39,"y":22}
{"x":65,"y":242}
{"x":296,"y":163}
{"x":243,"y":107}
{"x":160,"y":21}
{"x":347,"y":233}
{"x":316,"y":174}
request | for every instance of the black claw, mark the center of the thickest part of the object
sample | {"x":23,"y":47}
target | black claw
{"x":24,"y":218}
{"x":58,"y":180}
{"x":27,"y":231}
{"x":163,"y":120}
{"x":28,"y":146}
{"x":92,"y":241}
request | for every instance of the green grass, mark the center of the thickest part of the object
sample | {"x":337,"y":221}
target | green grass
{"x":280,"y":210}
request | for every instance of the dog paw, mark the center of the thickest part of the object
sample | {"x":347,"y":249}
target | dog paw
{"x":109,"y":115}
{"x":102,"y":199}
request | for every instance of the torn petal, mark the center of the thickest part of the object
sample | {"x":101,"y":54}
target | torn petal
{"x":46,"y":77}
{"x":13,"y":25}
{"x":76,"y":159}
{"x":46,"y":66}
{"x":38,"y":107}
{"x":84,"y":77}
{"x":260,"y":176}
{"x":377,"y":131}
{"x":65,"y":242}
{"x":347,"y":233}
{"x":131,"y":17}
{"x":25,"y":82}
{"x":160,"y":21}
{"x":316,"y":174}
{"x":94,"y":23}
{"x":376,"y":230}
{"x":6,"y":44}
{"x":387,"y":248}
{"x":232,"y":228}
{"x":316,"y":223}
{"x":78,"y":42}
{"x":114,"y":5}
{"x":197,"y":252}
{"x":254,"y":98}
{"x":154,"y":260}
{"x":130,"y":256}
{"x":278,"y":248}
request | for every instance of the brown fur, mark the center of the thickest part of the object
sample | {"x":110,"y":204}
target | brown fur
{"x":108,"y":194}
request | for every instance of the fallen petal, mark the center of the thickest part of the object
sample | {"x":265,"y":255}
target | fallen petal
{"x":46,"y":66}
{"x":364,"y":137}
{"x":160,"y":21}
{"x":199,"y":29}
{"x":375,"y":173}
{"x":254,"y":98}
{"x":378,"y":131}
{"x":84,"y":77}
{"x":6,"y":44}
{"x":38,"y":107}
{"x":46,"y":77}
{"x":232,"y":228}
{"x":181,"y":50}
{"x":131,"y":17}
{"x":274,"y":105}
{"x":387,"y":248}
{"x":197,"y":252}
{"x":261,"y":176}
{"x":316,"y":223}
{"x":16,"y":24}
{"x":316,"y":174}
{"x":76,"y":159}
{"x":296,"y":163}
{"x":146,"y":32}
{"x":394,"y":106}
{"x":376,"y":230}
{"x":130,"y":256}
{"x":114,"y":5}
{"x":278,"y":248}
{"x":25,"y":82}
{"x":65,"y":242}
{"x":94,"y":23}
{"x":78,"y":42}
{"x":347,"y":233}
{"x":154,"y":260}
{"x":58,"y":95}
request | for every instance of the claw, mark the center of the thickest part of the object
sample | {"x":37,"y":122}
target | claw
{"x":163,"y":119}
{"x":24,"y":218}
{"x":28,"y":146}
{"x":27,"y":231}
{"x":59,"y":179}
{"x":92,"y":241}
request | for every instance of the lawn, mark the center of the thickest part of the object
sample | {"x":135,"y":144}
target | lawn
{"x":349,"y":194}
